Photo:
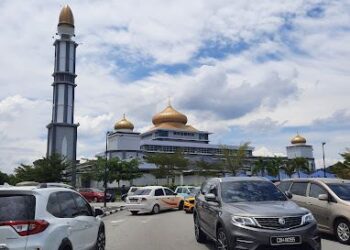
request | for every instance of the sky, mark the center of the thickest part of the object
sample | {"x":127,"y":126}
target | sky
{"x":257,"y":71}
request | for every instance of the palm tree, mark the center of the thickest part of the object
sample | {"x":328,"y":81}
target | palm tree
{"x":274,"y":167}
{"x":300,"y":164}
{"x":260,"y":166}
{"x":289,"y":168}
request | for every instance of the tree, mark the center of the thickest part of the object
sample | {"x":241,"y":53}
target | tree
{"x":207,"y":169}
{"x":234,"y":159}
{"x":342,"y":169}
{"x":289,"y":168}
{"x":168,"y":165}
{"x":260,"y":166}
{"x":46,"y":169}
{"x":300,"y":165}
{"x":130,"y":170}
{"x":274,"y":167}
{"x":160,"y":161}
{"x":4,"y":178}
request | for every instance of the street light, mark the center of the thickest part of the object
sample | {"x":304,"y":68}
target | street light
{"x":105,"y":173}
{"x":324,"y":161}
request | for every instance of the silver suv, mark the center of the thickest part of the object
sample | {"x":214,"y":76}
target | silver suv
{"x":251,"y":213}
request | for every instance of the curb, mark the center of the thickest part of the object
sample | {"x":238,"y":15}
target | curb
{"x":112,"y":211}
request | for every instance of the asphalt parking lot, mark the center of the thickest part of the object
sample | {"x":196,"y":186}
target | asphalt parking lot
{"x":167,"y":230}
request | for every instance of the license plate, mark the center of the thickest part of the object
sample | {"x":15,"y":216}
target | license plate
{"x":285,"y":240}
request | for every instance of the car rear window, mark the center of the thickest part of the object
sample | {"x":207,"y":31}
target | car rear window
{"x":17,"y":207}
{"x":142,"y":192}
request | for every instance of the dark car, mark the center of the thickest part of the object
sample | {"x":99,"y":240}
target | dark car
{"x":94,"y":194}
{"x":252,"y":213}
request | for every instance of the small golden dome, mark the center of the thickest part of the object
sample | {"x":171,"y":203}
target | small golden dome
{"x":169,"y":115}
{"x":124,"y":124}
{"x":66,"y":16}
{"x":298,"y":139}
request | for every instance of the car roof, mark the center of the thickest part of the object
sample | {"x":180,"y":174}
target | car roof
{"x":238,"y":178}
{"x":324,"y":180}
{"x":32,"y":189}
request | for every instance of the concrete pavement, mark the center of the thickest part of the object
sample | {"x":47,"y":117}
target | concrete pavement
{"x":172,"y":230}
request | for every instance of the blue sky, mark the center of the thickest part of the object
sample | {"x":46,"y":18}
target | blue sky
{"x":244,"y":70}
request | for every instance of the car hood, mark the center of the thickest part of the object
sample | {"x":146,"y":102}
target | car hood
{"x":268,"y":208}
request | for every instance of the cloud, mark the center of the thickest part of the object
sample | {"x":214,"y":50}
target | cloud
{"x":211,"y":91}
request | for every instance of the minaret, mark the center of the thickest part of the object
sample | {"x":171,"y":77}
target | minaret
{"x":62,"y":134}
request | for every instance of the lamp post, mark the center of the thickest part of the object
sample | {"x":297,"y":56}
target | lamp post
{"x":324,"y":161}
{"x":105,"y":174}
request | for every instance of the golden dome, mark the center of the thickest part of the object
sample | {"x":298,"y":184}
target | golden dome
{"x":66,"y":16}
{"x":298,"y":139}
{"x":169,"y":115}
{"x":124,"y":124}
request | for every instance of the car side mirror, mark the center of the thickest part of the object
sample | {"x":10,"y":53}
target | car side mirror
{"x":98,"y":212}
{"x":210,"y":197}
{"x":323,"y":197}
{"x":288,"y":194}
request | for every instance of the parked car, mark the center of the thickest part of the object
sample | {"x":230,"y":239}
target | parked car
{"x":153,"y":199}
{"x":184,"y":191}
{"x":329,"y":201}
{"x":94,"y":194}
{"x":48,"y":219}
{"x":190,"y":200}
{"x":252,"y":213}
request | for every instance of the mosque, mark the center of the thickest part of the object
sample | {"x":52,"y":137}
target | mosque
{"x":171,"y":132}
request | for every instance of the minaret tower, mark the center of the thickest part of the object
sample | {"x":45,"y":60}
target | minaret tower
{"x":62,"y":134}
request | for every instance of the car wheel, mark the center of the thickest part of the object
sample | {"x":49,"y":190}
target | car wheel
{"x":222,"y":240}
{"x":155,"y":209}
{"x":200,"y":236}
{"x":181,"y":205}
{"x":101,"y":240}
{"x":134,"y":212}
{"x":342,"y":231}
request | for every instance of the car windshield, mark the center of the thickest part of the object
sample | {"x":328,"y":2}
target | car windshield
{"x":342,"y":190}
{"x":242,"y":191}
{"x":142,"y":192}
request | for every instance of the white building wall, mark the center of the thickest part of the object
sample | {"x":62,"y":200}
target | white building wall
{"x":299,"y":151}
{"x":124,"y":142}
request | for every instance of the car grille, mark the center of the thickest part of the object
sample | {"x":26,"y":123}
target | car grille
{"x":274,"y":222}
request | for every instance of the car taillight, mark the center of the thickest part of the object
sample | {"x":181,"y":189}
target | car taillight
{"x":24,"y":228}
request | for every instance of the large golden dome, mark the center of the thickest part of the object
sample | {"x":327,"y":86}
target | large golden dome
{"x":298,"y":139}
{"x":124,"y":124}
{"x":66,"y":16}
{"x":169,"y":115}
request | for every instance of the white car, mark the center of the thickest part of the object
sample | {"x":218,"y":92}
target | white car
{"x":52,"y":218}
{"x":153,"y":199}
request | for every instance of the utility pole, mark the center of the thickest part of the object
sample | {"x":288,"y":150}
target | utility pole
{"x":324,"y":161}
{"x":105,"y":175}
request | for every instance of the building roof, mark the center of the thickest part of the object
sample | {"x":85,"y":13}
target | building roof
{"x":124,"y":124}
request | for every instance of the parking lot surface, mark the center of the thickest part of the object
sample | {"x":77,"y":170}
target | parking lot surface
{"x":172,"y":230}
